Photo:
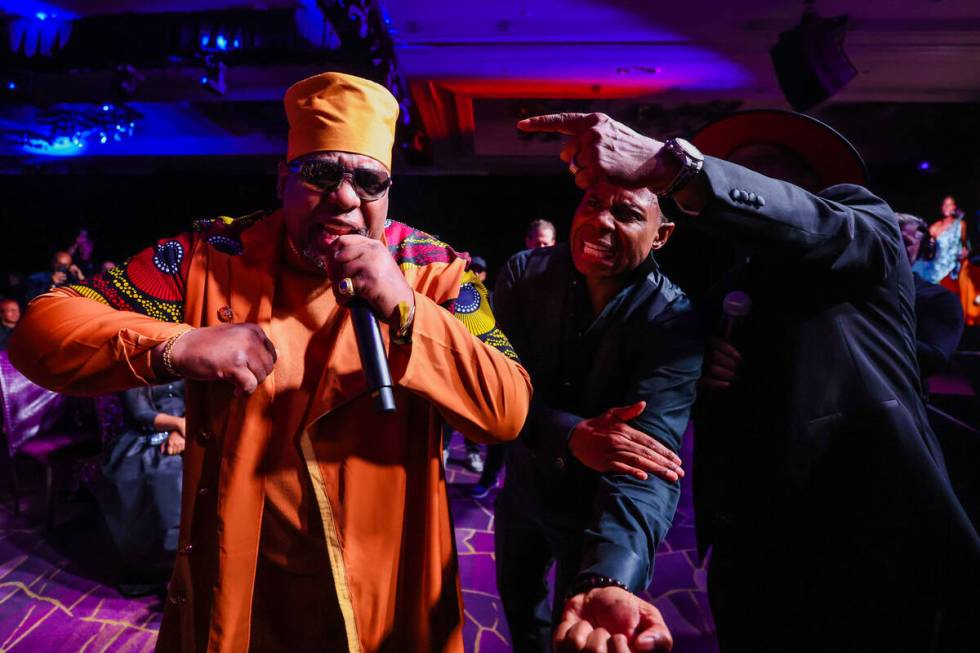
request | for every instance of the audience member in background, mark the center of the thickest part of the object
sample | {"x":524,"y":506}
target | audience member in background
{"x":141,"y":480}
{"x":818,"y":481}
{"x":938,"y":313}
{"x":950,"y":266}
{"x":9,"y":316}
{"x":81,"y":252}
{"x":63,"y":272}
{"x":540,"y":233}
{"x":614,"y":352}
{"x":479,"y":266}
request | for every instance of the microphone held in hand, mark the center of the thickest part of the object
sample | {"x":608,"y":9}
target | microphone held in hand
{"x":736,"y":306}
{"x":373,"y":358}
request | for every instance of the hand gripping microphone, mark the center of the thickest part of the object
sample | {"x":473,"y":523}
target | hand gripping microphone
{"x":372,"y":352}
{"x":736,"y":306}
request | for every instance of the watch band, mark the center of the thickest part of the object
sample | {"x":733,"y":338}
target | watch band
{"x":690,"y":167}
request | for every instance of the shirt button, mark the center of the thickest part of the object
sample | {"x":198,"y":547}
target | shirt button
{"x":205,"y":435}
{"x":186,"y":549}
{"x":177,"y":598}
{"x":204,"y":491}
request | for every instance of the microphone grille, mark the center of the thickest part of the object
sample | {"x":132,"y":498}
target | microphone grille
{"x":736,"y":304}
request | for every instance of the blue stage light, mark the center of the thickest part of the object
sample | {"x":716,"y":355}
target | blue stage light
{"x":221,"y":42}
{"x":205,"y":39}
{"x":236,"y":44}
{"x":925,"y":165}
{"x":41,"y":15}
{"x":103,"y":138}
{"x":107,"y":107}
{"x":12,"y":86}
{"x":204,"y":81}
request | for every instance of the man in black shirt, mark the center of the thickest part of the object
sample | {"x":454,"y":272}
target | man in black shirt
{"x":614,"y":352}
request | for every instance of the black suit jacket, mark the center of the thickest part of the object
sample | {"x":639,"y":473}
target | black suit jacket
{"x":821,"y":452}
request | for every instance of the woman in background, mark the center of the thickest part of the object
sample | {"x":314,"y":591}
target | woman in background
{"x":950,"y":267}
{"x":140,"y":492}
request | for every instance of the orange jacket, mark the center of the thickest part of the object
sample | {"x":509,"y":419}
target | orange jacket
{"x":377,"y":479}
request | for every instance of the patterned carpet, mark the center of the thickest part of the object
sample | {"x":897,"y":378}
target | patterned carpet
{"x":56,"y":594}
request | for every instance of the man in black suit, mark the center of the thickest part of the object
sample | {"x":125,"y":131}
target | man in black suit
{"x":818,"y":480}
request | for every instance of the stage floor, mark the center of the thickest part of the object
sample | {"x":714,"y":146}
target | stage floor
{"x":56,"y":594}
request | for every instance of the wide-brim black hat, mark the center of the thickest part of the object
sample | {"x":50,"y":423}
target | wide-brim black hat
{"x":829,"y":154}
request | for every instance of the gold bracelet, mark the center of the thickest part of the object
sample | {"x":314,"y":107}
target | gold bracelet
{"x":168,"y":351}
{"x":406,"y":318}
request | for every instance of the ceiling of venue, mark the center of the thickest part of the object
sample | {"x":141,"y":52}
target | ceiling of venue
{"x":149,"y":78}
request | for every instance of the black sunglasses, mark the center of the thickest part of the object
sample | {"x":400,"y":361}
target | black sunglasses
{"x":326,"y":176}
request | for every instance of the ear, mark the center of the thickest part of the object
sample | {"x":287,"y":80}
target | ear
{"x":663,"y":235}
{"x":283,"y":175}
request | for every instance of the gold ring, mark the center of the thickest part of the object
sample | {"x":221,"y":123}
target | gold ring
{"x":346,"y":287}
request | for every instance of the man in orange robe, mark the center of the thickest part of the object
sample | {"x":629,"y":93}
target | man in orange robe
{"x":310,"y":522}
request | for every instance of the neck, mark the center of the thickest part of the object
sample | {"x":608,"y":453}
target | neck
{"x":601,"y":291}
{"x":9,"y":325}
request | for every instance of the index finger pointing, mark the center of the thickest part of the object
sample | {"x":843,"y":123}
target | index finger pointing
{"x":563,"y":123}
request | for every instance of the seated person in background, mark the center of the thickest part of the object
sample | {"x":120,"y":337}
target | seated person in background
{"x":62,"y":273}
{"x":938,"y":313}
{"x":540,"y":233}
{"x":139,"y":493}
{"x":614,"y":352}
{"x":9,"y":316}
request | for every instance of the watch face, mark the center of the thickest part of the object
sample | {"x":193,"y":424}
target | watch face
{"x":689,"y":149}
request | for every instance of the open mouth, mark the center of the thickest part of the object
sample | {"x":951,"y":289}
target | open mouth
{"x":597,"y":250}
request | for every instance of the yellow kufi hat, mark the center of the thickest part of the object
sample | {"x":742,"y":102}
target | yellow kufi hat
{"x":344,"y":113}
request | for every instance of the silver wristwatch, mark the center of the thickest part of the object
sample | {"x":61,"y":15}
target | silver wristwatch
{"x":691,"y":161}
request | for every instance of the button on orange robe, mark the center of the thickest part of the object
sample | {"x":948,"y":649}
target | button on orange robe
{"x":377,"y":479}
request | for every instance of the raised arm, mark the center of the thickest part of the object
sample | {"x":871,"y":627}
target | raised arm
{"x":98,"y":336}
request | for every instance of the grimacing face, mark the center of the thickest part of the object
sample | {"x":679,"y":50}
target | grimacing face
{"x":314,"y":219}
{"x":615,"y":229}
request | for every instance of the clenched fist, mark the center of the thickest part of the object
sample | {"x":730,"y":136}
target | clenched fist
{"x":238,"y":353}
{"x":374,"y":273}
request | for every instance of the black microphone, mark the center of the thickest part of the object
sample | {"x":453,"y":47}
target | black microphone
{"x":736,"y":306}
{"x":373,"y":359}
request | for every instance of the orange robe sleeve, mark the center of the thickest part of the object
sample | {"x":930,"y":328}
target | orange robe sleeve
{"x":97,"y":336}
{"x":460,"y":361}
